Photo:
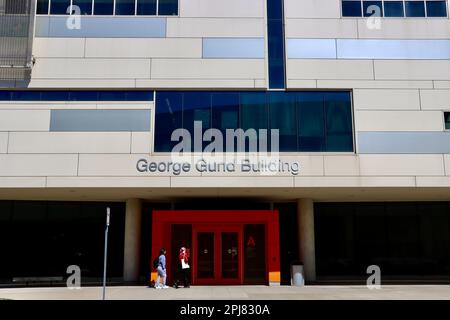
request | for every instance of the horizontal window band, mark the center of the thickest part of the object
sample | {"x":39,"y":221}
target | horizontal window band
{"x":403,"y":142}
{"x":99,"y":120}
{"x":101,"y":27}
{"x":368,"y":49}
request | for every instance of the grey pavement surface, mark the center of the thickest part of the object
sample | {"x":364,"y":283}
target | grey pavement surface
{"x":389,"y":292}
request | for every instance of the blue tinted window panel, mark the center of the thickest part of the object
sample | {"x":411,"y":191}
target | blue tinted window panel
{"x":197,"y":108}
{"x":84,"y":5}
{"x":59,"y":6}
{"x":99,"y":120}
{"x":168,"y":7}
{"x":254,"y":114}
{"x":393,"y":49}
{"x":404,"y":142}
{"x":225,"y":110}
{"x":283,"y":117}
{"x":104,"y":27}
{"x":125,"y":7}
{"x":103,"y":7}
{"x":276,"y":54}
{"x":146,"y":7}
{"x":339,"y":123}
{"x":436,"y":9}
{"x":373,"y":8}
{"x":393,"y":9}
{"x":226,"y":48}
{"x":415,"y":8}
{"x":447,"y":120}
{"x":26,"y":95}
{"x":83,"y":96}
{"x":55,"y":95}
{"x":169,"y":117}
{"x":311,"y":48}
{"x":5,"y":95}
{"x":311,"y":124}
{"x":351,"y":9}
{"x":275,"y":39}
{"x":42,"y":6}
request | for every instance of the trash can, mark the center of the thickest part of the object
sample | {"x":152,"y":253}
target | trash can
{"x":297,"y":274}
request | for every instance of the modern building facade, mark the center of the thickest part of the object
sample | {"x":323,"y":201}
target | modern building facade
{"x":94,"y":107}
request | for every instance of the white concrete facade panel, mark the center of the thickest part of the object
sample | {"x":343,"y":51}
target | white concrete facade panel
{"x":24,"y":120}
{"x":374,"y":99}
{"x":38,"y":165}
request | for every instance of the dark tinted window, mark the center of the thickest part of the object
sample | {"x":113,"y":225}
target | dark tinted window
{"x":59,"y":6}
{"x":103,"y":7}
{"x":169,"y":118}
{"x":275,"y":34}
{"x":351,"y":9}
{"x":146,"y":7}
{"x":84,"y":5}
{"x":311,"y":122}
{"x":307,"y":121}
{"x":373,"y":8}
{"x":125,"y":7}
{"x":415,"y":8}
{"x":436,"y":9}
{"x":42,"y":7}
{"x":283,"y":118}
{"x":168,"y":7}
{"x":393,"y":9}
{"x":447,"y":120}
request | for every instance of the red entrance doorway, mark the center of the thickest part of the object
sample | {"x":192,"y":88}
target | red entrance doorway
{"x":225,"y":247}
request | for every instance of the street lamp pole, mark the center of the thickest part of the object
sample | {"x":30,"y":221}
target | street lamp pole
{"x":108,"y":214}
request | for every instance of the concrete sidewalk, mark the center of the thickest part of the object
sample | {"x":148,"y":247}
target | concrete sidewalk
{"x":391,"y":292}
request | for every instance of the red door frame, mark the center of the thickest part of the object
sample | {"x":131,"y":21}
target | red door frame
{"x":162,"y":221}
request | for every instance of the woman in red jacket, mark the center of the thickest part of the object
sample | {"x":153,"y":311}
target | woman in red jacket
{"x":184,"y":266}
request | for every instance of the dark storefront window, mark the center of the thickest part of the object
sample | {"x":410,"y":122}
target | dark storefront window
{"x":307,"y":121}
{"x":41,"y":239}
{"x":181,"y":237}
{"x":406,"y":240}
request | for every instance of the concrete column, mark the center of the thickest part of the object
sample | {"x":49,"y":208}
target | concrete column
{"x":305,"y":214}
{"x":132,"y":248}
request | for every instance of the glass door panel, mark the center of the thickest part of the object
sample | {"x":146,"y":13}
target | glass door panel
{"x":205,"y":256}
{"x":230,"y":255}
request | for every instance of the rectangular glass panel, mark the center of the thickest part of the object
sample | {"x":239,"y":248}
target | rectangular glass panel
{"x":103,"y":7}
{"x":254,"y":254}
{"x":230,"y":255}
{"x":84,"y":5}
{"x":436,"y":9}
{"x":254,"y":116}
{"x":351,"y":9}
{"x":197,"y":108}
{"x":275,"y":34}
{"x":125,"y":7}
{"x":415,"y":8}
{"x":338,"y":122}
{"x":59,"y":6}
{"x":168,"y":7}
{"x":42,"y":7}
{"x":205,"y":255}
{"x":311,"y":124}
{"x":393,"y":9}
{"x":447,"y":120}
{"x":373,"y":8}
{"x":169,"y":107}
{"x":146,"y":7}
{"x":283,"y":117}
